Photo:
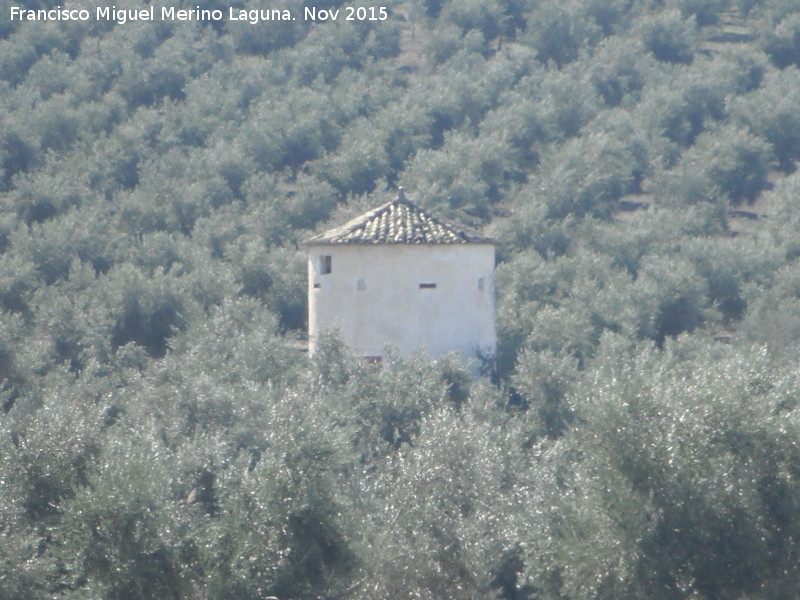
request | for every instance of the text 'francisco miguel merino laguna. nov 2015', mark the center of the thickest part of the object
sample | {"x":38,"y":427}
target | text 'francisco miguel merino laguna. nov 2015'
{"x":171,"y":13}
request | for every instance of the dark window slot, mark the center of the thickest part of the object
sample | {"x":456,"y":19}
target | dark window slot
{"x":325,"y":265}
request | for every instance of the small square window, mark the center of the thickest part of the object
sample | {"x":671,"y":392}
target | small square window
{"x":325,"y":265}
{"x":427,"y":286}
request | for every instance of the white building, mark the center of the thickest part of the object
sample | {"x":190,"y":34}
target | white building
{"x":399,"y":276}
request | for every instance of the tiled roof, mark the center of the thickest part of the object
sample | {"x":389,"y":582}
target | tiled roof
{"x":398,"y":222}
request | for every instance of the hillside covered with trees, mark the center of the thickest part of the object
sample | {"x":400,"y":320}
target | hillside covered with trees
{"x":162,"y":435}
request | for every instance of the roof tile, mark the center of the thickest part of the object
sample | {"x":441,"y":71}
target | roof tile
{"x":398,"y":222}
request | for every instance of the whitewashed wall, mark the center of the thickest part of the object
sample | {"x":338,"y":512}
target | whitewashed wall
{"x":372,"y":296}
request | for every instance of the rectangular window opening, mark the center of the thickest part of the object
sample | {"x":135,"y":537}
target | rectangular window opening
{"x":317,"y":286}
{"x":325,"y":265}
{"x":427,"y":286}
